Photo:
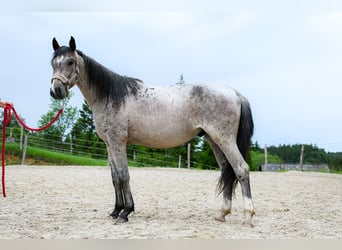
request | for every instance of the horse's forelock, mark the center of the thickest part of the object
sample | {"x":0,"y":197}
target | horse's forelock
{"x":60,"y":51}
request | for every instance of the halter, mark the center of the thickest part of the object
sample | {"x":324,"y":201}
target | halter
{"x":65,"y":81}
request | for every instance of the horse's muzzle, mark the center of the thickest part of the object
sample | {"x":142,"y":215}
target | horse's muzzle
{"x":58,"y":90}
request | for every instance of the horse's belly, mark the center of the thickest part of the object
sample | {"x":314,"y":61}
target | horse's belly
{"x":163,"y":118}
{"x":162,"y":136}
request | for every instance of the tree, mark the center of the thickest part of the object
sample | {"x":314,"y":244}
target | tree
{"x":181,"y":80}
{"x":204,"y":156}
{"x":84,"y":135}
{"x":291,"y":153}
{"x":57,"y":133}
{"x":335,"y":161}
{"x":256,"y":147}
{"x":84,"y":124}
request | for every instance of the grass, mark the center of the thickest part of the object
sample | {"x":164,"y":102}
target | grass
{"x":259,"y":158}
{"x":332,"y":171}
{"x":45,"y":157}
{"x":38,"y":156}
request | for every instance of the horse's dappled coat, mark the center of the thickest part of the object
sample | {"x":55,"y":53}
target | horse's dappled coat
{"x":127,"y":111}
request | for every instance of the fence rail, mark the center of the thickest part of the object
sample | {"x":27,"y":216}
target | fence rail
{"x":76,"y":147}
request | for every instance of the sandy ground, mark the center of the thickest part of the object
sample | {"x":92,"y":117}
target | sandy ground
{"x":47,"y":202}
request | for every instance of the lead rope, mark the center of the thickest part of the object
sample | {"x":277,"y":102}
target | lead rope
{"x":7,"y":119}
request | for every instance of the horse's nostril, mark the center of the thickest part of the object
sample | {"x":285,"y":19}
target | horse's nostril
{"x":52,"y":94}
{"x":58,"y":92}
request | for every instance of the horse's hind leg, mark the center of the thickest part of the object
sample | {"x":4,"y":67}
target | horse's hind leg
{"x":227,"y":190}
{"x":229,"y":147}
{"x":241,"y":170}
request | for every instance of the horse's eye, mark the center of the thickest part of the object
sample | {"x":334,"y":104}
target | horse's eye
{"x":70,"y":63}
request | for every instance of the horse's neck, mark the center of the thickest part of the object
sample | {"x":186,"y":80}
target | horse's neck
{"x":83,"y":83}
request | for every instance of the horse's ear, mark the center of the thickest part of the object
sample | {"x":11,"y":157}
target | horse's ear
{"x":72,"y":43}
{"x":55,"y":44}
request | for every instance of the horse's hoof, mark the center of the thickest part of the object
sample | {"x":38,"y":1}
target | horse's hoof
{"x":121,"y":220}
{"x":249,"y":219}
{"x":114,"y":216}
{"x":220,"y":218}
{"x":248,"y":224}
{"x":115,"y":213}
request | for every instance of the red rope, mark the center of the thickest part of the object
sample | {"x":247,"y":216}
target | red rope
{"x":37,"y":129}
{"x":7,"y":119}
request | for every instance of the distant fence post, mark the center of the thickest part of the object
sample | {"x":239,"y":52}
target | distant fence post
{"x":266,"y":161}
{"x":71,"y":148}
{"x":189,"y":149}
{"x":21,"y":137}
{"x":179,"y":161}
{"x":24,"y":151}
{"x":134,"y":155}
{"x":301,"y":158}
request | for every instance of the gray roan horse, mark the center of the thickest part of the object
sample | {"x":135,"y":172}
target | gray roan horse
{"x":128,"y":112}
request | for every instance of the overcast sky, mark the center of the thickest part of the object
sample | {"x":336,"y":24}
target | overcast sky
{"x":284,"y":56}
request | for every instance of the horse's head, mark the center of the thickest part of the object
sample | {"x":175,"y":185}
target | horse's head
{"x":65,"y":69}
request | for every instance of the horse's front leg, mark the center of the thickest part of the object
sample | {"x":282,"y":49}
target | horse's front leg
{"x":124,"y":203}
{"x":119,"y":200}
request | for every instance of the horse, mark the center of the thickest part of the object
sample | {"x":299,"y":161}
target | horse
{"x":126,"y":111}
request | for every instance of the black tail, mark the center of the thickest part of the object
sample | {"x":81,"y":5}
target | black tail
{"x":228,"y":180}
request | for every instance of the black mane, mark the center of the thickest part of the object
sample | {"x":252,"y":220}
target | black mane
{"x":107,"y":84}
